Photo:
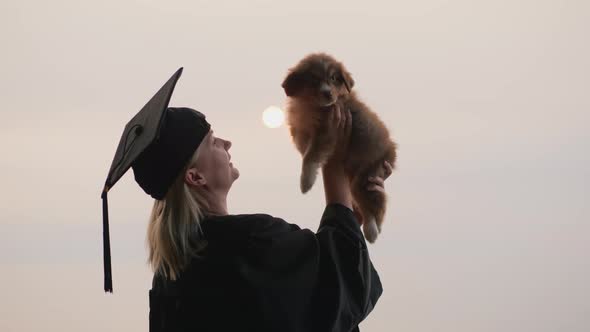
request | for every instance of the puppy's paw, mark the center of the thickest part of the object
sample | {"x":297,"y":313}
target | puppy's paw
{"x":307,"y":181}
{"x":309,"y":174}
{"x":371,"y":230}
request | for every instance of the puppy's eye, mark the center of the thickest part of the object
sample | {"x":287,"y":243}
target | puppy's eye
{"x":334,"y":78}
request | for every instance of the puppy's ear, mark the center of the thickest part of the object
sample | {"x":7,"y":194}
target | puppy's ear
{"x":348,"y":81}
{"x":293,"y":83}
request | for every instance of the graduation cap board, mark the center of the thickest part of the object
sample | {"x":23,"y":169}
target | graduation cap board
{"x":157,"y":143}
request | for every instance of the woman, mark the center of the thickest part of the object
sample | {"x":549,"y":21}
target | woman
{"x":214,"y":271}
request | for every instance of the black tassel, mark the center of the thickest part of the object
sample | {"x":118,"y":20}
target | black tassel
{"x":108,"y":280}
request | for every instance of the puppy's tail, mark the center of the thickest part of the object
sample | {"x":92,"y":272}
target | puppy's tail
{"x":371,"y":230}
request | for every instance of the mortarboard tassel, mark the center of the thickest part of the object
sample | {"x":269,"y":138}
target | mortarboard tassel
{"x":108,"y":280}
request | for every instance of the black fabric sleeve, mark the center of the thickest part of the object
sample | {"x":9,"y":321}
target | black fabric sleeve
{"x":326,"y":278}
{"x":349,"y":285}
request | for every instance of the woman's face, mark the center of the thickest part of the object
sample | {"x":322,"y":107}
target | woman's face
{"x":213,"y":162}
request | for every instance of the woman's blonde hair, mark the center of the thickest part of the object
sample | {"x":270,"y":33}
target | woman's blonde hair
{"x":174,"y":235}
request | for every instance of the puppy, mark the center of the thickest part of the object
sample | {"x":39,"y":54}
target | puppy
{"x":314,"y":86}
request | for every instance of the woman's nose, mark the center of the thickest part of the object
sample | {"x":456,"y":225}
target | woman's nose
{"x":227,"y":144}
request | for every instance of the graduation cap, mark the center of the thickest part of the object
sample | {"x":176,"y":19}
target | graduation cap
{"x":157,"y":143}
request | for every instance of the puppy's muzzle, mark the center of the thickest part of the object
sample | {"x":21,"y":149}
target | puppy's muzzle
{"x":326,"y":94}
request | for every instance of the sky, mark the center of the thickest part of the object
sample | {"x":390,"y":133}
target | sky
{"x":487,"y":225}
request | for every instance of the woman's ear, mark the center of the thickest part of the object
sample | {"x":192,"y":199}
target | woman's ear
{"x":348,"y":81}
{"x":293,"y":83}
{"x":194,"y":178}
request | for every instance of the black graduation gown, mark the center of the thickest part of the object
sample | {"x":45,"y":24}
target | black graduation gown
{"x":260,"y":273}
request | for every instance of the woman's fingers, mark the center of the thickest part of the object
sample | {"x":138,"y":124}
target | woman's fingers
{"x":337,"y":118}
{"x":376,"y":184}
{"x":341,"y":120}
{"x":336,"y":111}
{"x":375,"y":187}
{"x":348,"y":123}
{"x":377,"y":180}
{"x":344,"y":129}
{"x":343,"y":117}
{"x":333,"y":117}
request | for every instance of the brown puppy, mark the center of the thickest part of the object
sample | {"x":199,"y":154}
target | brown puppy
{"x":315,"y":86}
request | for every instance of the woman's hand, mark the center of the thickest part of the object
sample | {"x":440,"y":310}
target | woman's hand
{"x":376,"y":183}
{"x":339,"y":127}
{"x":336,"y":184}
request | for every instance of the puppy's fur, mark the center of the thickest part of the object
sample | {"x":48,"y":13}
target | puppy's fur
{"x":314,"y":86}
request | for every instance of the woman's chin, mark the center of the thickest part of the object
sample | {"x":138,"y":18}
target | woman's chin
{"x":235,"y":172}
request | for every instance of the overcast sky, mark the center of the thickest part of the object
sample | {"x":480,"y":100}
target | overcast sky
{"x":487,"y":227}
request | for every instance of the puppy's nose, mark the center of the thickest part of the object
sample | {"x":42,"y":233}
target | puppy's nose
{"x":327,"y":93}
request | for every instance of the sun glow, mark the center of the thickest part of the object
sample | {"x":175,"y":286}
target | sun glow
{"x":273,"y":117}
